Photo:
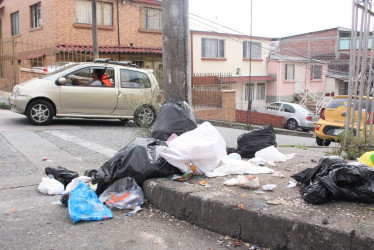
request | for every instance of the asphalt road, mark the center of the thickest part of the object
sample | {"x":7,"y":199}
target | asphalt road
{"x":31,"y":220}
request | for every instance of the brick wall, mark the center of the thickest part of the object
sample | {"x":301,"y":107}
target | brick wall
{"x":226,"y":113}
{"x":58,"y":24}
{"x":28,"y":74}
{"x":259,"y":118}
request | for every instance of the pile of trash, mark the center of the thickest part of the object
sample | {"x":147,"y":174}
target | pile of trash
{"x":179,"y":148}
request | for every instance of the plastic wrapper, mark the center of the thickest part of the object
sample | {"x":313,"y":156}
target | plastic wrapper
{"x":249,"y":181}
{"x":61,"y":174}
{"x":123,"y":194}
{"x":50,"y":186}
{"x":175,"y":117}
{"x":84,"y":204}
{"x":251,"y":142}
{"x":138,"y":160}
{"x":367,"y":159}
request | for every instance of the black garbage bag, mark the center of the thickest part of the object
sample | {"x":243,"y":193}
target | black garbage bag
{"x":61,"y":174}
{"x":175,"y":117}
{"x":138,"y":160}
{"x":335,"y":179}
{"x":251,"y":142}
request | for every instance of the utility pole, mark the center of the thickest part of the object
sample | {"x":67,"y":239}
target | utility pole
{"x":176,"y":50}
{"x":95,"y":46}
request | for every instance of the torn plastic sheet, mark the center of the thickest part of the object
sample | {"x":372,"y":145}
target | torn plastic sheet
{"x":233,"y":166}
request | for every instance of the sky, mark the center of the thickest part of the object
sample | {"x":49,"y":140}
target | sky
{"x":270,"y":18}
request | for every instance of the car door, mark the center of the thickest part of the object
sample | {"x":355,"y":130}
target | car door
{"x":288,"y":112}
{"x":134,"y":91}
{"x":79,"y":99}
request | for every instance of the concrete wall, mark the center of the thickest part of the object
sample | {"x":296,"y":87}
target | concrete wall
{"x":226,"y":113}
{"x":28,"y":74}
{"x":233,"y":55}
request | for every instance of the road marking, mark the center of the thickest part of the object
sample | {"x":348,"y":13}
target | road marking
{"x":84,"y":143}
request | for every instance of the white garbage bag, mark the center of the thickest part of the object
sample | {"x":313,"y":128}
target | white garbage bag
{"x":203,"y":147}
{"x":50,"y":186}
{"x":271,"y":154}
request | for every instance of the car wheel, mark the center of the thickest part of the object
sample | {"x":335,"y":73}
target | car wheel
{"x":145,"y":116}
{"x":322,"y":142}
{"x":292,"y":124}
{"x":40,"y":112}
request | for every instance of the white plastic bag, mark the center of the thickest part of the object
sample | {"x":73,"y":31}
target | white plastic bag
{"x":204,"y":147}
{"x":74,"y":183}
{"x":233,"y":166}
{"x":50,"y":186}
{"x":249,"y":181}
{"x":271,"y":154}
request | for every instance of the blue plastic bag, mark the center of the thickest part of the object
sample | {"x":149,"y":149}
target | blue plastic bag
{"x":84,"y":205}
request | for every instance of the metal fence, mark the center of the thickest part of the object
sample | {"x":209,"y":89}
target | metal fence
{"x":207,"y":90}
{"x":360,"y":73}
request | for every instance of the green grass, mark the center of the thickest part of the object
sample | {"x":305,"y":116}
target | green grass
{"x":298,"y":146}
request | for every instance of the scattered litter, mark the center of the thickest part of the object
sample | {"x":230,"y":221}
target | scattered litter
{"x":203,"y":182}
{"x":243,"y":195}
{"x":50,"y":186}
{"x":123,"y":194}
{"x":204,"y":147}
{"x":278,"y":174}
{"x":84,"y":205}
{"x":240,"y":206}
{"x":184,"y":177}
{"x":61,"y":174}
{"x":277,"y":201}
{"x":232,"y":166}
{"x":288,"y":169}
{"x":137,"y":209}
{"x":251,"y":142}
{"x":257,"y":161}
{"x":268,"y":187}
{"x":292,"y":184}
{"x":12,"y":210}
{"x":250,"y":181}
{"x":259,"y":192}
{"x":174,"y":117}
{"x":44,"y":159}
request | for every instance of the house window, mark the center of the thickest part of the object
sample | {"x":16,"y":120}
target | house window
{"x":254,"y":91}
{"x":316,"y":72}
{"x":14,"y":19}
{"x":251,"y":50}
{"x":83,"y":12}
{"x":345,"y":41}
{"x":212,"y":48}
{"x":290,"y":72}
{"x":35,"y":14}
{"x":151,"y":19}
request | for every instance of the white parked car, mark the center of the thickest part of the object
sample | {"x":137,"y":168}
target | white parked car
{"x":295,"y":115}
{"x":124,"y":93}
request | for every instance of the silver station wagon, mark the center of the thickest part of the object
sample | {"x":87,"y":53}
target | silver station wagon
{"x":102,"y":89}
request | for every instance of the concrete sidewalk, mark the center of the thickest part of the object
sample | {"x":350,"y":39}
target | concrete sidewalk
{"x":278,"y":219}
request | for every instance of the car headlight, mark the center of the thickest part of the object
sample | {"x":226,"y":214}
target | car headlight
{"x":15,"y":91}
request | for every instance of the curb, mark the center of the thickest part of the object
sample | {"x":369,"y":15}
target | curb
{"x":243,"y":126}
{"x":252,"y":224}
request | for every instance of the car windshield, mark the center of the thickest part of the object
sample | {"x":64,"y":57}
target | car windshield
{"x":304,"y":110}
{"x":53,"y":75}
{"x":342,"y":102}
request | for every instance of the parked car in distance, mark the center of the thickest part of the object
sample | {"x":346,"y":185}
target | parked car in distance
{"x":295,"y":115}
{"x":332,"y":118}
{"x":128,"y":93}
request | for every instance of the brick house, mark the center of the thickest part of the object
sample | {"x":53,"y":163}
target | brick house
{"x":330,"y":45}
{"x":45,"y":31}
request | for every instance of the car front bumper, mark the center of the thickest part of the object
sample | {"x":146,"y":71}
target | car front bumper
{"x":18,"y":103}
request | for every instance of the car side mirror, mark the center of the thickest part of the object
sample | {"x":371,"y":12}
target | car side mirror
{"x":61,"y":81}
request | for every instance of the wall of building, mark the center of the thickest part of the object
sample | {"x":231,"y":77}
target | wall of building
{"x":259,"y":118}
{"x":310,"y":44}
{"x":43,"y":34}
{"x":233,"y":56}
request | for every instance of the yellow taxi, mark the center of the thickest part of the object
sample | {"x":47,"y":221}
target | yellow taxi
{"x":332,"y":118}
